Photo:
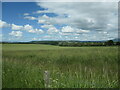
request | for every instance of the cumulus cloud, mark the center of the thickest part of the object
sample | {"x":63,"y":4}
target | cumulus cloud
{"x":30,"y":29}
{"x":3,"y":24}
{"x":67,"y":29}
{"x":52,"y":30}
{"x":77,"y":20}
{"x":96,"y":17}
{"x":81,"y":17}
{"x":44,"y":19}
{"x":27,"y":27}
{"x":45,"y":16}
{"x":16,"y":27}
{"x":26,"y":14}
{"x":82,"y":31}
{"x":41,"y":21}
{"x":38,"y":31}
{"x":47,"y":26}
{"x":44,"y":11}
{"x":16,"y":33}
{"x":30,"y":17}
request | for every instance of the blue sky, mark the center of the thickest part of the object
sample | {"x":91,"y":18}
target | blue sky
{"x":84,"y":21}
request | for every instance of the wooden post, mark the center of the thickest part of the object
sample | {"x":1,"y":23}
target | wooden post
{"x":47,"y":79}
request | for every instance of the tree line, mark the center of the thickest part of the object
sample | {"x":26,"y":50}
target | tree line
{"x":76,"y":44}
{"x":71,"y":43}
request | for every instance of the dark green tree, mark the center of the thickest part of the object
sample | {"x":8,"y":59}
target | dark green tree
{"x":110,"y":43}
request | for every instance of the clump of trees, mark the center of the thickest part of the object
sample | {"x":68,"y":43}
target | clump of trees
{"x":109,"y":43}
{"x":78,"y":44}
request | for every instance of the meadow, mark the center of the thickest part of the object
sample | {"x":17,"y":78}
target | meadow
{"x":26,"y":66}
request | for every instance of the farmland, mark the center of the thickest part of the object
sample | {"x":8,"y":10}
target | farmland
{"x":24,"y":66}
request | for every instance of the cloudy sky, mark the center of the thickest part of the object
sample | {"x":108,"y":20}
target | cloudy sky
{"x":84,"y":21}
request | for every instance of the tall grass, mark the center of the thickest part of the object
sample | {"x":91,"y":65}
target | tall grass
{"x":24,"y":66}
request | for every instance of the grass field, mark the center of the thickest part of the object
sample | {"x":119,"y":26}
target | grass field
{"x":40,"y":66}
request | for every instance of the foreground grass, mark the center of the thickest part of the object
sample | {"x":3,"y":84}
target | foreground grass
{"x":69,"y":67}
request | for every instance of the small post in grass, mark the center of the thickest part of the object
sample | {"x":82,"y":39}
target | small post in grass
{"x":47,"y":79}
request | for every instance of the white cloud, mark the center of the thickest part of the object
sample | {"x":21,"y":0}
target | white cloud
{"x":65,"y":34}
{"x":82,"y":20}
{"x":44,"y":19}
{"x":47,"y":26}
{"x":45,"y":16}
{"x":16,"y":33}
{"x":41,"y":21}
{"x":80,"y":16}
{"x":26,"y":14}
{"x":67,"y":29}
{"x":16,"y":27}
{"x":52,"y":20}
{"x":30,"y":29}
{"x":30,"y":18}
{"x":82,"y":31}
{"x":43,"y":11}
{"x":27,"y":27}
{"x":52,"y":30}
{"x":38,"y":31}
{"x":3,"y":24}
{"x":75,"y":31}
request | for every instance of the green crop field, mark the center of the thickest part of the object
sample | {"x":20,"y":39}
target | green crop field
{"x":47,"y":66}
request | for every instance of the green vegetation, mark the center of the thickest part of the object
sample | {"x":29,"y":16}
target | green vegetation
{"x":25,"y":66}
{"x":79,"y":44}
{"x":71,"y":43}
